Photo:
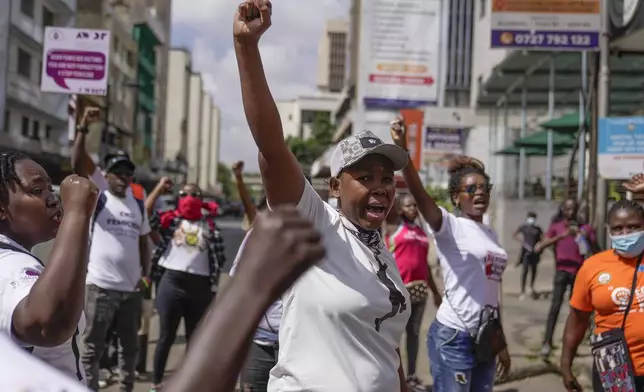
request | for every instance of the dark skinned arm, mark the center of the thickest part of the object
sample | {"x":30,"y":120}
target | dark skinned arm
{"x":244,"y":195}
{"x":49,"y":315}
{"x":432,"y":284}
{"x":280,"y":170}
{"x":144,"y":249}
{"x":150,"y":202}
{"x":229,"y":327}
{"x":576,"y":326}
{"x":82,"y":163}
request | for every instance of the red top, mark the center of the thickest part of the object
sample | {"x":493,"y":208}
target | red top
{"x":410,"y":247}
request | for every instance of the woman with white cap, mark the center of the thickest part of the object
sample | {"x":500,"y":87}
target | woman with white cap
{"x":343,"y":319}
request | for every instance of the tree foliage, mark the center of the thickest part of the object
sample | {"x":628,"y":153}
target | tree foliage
{"x":308,"y":150}
{"x":225,"y":178}
{"x":441,"y":197}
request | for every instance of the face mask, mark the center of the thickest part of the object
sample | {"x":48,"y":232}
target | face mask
{"x":628,"y":245}
{"x":531,"y":221}
{"x":190,"y":207}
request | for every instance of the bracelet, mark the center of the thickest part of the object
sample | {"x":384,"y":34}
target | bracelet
{"x":147,"y":282}
{"x":82,"y":129}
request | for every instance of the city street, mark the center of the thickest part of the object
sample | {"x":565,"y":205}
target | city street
{"x":524,"y":324}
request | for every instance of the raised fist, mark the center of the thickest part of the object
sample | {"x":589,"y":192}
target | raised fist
{"x":165,"y":184}
{"x":238,"y":168}
{"x":252,"y":19}
{"x":90,"y":116}
{"x":635,"y":184}
{"x":398,"y":132}
{"x":78,"y":194}
{"x":281,"y":246}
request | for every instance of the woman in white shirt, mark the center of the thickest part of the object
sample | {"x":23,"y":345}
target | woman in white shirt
{"x":41,"y":307}
{"x":343,"y":319}
{"x":467,"y":335}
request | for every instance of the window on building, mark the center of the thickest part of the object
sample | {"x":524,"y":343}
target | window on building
{"x":24,"y":131}
{"x":483,"y":9}
{"x":7,"y":121}
{"x":48,"y":130}
{"x":27,"y":8}
{"x":35,"y":130}
{"x":39,"y":72}
{"x":47,"y":17}
{"x":131,"y":58}
{"x":24,"y":63}
{"x":115,"y":44}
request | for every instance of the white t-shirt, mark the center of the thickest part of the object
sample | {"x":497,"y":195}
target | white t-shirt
{"x":21,"y":372}
{"x":188,"y":250}
{"x":273,"y":315}
{"x":472,"y":263}
{"x":18,"y":273}
{"x":114,"y":254}
{"x":328,"y":339}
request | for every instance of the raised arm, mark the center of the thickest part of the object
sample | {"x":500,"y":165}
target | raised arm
{"x":426,"y":205}
{"x":249,"y":206}
{"x":281,"y":173}
{"x":49,"y":314}
{"x":82,"y":163}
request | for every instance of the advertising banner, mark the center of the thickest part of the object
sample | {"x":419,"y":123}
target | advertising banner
{"x":414,"y":124}
{"x":546,"y":24}
{"x":75,"y":61}
{"x":441,"y":145}
{"x":399,"y":53}
{"x":620,"y":147}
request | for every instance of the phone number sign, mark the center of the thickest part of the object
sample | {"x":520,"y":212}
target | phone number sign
{"x":545,"y":24}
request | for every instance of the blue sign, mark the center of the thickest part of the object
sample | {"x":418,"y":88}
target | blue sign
{"x":444,"y":140}
{"x":620,"y":147}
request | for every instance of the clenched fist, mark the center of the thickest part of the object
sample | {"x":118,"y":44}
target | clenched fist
{"x":238,"y":168}
{"x":252,"y":19}
{"x":398,"y":132}
{"x":78,"y":194}
{"x":281,"y":246}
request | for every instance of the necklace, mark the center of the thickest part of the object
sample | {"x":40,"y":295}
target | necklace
{"x":191,"y":237}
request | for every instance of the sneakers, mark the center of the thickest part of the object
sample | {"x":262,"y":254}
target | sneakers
{"x":414,"y":384}
{"x":546,"y":350}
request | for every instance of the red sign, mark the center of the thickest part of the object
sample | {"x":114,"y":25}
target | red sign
{"x":414,"y":123}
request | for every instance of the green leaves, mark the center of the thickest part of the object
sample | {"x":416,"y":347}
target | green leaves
{"x":308,"y":150}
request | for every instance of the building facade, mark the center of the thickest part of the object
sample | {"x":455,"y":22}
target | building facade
{"x":118,"y":105}
{"x":204,"y":144}
{"x":33,"y":121}
{"x":194,"y":127}
{"x":332,"y":56}
{"x":175,"y":148}
{"x":215,"y":142}
{"x":298,"y":115}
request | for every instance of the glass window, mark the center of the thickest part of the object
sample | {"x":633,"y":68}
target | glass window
{"x":47,"y":17}
{"x":24,"y":131}
{"x":27,"y":8}
{"x":24,"y":63}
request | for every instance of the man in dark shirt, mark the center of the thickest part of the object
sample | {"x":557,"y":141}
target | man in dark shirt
{"x":529,"y":234}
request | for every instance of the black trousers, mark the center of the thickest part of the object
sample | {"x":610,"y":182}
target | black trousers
{"x":412,"y":331}
{"x":180,"y":296}
{"x":256,"y":371}
{"x":529,"y":261}
{"x":563,"y":281}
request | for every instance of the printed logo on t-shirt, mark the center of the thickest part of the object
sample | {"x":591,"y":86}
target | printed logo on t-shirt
{"x":190,"y":236}
{"x":621,"y":295}
{"x":604,"y":278}
{"x":27,"y":278}
{"x":125,"y":224}
{"x":495,"y":265}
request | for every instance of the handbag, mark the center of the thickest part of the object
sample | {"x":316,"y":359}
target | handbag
{"x":489,"y":339}
{"x":610,"y":352}
{"x":418,"y":291}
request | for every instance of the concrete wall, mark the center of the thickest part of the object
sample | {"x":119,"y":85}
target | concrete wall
{"x":215,"y":132}
{"x":194,"y":126}
{"x":178,"y":86}
{"x":205,"y":143}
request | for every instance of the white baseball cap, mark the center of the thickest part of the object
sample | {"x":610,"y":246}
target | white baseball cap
{"x":355,"y":147}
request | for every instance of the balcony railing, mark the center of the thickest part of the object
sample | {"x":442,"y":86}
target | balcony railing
{"x":28,"y":93}
{"x":33,"y":146}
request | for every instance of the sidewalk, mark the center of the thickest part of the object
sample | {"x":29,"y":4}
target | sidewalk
{"x":524,"y":322}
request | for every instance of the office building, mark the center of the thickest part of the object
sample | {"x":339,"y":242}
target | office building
{"x":332,"y":55}
{"x":175,"y":135}
{"x":194,"y":127}
{"x":33,"y":121}
{"x":298,"y":115}
{"x":215,"y":140}
{"x":204,"y":144}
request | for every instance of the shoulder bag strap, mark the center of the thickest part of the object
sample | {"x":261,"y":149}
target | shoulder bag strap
{"x":633,"y":284}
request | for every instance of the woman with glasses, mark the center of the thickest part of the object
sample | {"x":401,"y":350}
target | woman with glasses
{"x":466,"y":338}
{"x":185,"y":265}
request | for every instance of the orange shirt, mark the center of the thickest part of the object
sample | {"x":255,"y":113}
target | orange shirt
{"x":138,"y":191}
{"x":603,"y":285}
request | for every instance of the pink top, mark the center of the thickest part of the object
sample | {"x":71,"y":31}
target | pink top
{"x":410,"y":246}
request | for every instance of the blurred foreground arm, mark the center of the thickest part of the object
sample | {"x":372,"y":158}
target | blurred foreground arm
{"x":280,"y":248}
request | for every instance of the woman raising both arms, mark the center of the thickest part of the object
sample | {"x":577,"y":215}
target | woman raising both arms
{"x":343,"y":319}
{"x":466,"y":338}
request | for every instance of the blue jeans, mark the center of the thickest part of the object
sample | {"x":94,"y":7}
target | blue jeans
{"x":452,"y":365}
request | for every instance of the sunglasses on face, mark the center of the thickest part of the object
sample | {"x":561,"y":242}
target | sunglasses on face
{"x":473,"y":188}
{"x":183,"y":193}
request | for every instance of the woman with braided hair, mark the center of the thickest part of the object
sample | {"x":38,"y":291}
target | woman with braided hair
{"x":41,"y":307}
{"x":466,"y":338}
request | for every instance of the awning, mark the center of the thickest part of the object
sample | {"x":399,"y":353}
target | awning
{"x":540,"y":140}
{"x":568,"y":123}
{"x":530,"y":151}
